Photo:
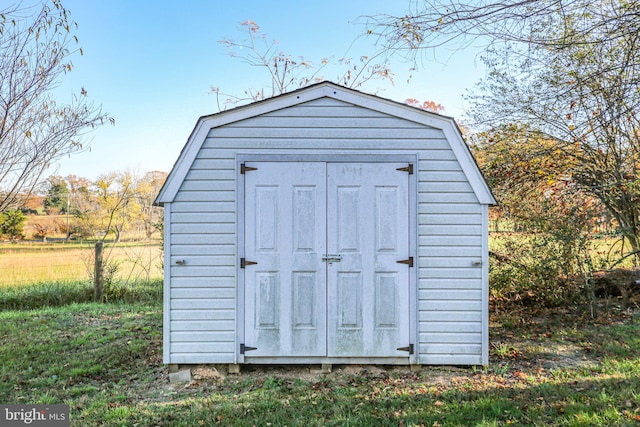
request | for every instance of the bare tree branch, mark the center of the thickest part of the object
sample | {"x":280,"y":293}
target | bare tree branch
{"x":287,"y":72}
{"x":36,"y":47}
{"x":436,"y":23}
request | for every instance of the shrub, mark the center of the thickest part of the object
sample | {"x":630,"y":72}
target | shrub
{"x":533,"y":269}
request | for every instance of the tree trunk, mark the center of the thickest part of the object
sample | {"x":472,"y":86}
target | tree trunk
{"x":99,"y":274}
{"x":635,"y":247}
{"x":118,"y":231}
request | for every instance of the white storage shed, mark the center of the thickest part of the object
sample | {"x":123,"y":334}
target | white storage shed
{"x":326,"y":226}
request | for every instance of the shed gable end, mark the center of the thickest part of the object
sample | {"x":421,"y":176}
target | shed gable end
{"x":324,"y":124}
{"x":337,"y":106}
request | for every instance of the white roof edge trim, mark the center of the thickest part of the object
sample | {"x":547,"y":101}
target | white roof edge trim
{"x":469,"y":166}
{"x":181,"y":167}
{"x":331,"y":90}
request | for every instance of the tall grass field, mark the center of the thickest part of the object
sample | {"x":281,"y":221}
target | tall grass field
{"x":28,"y":263}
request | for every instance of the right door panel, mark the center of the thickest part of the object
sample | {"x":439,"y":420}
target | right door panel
{"x":368,"y":291}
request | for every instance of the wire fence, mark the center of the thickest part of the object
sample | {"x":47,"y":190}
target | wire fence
{"x":23,"y":264}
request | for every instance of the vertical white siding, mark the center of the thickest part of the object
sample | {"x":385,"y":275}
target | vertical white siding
{"x":203,"y":229}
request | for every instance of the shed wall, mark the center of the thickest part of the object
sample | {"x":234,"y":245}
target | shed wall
{"x":202,"y":320}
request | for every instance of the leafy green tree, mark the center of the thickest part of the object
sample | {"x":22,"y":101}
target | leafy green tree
{"x":12,"y":224}
{"x":58,"y":195}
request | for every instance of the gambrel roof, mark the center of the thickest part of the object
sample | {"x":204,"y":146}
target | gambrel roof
{"x":326,"y":90}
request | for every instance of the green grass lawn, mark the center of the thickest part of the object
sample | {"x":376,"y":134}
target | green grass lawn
{"x":104,"y":360}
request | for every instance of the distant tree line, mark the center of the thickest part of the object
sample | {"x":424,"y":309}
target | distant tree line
{"x":78,"y":208}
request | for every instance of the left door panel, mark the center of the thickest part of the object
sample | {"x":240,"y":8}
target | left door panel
{"x":285,"y":291}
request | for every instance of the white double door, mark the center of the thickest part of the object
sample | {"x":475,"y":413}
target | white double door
{"x":326,"y":239}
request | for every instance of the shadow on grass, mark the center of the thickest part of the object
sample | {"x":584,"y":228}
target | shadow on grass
{"x":598,"y":401}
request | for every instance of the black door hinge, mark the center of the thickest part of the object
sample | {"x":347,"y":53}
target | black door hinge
{"x":408,"y":261}
{"x":408,"y":169}
{"x":409,"y":349}
{"x":244,"y":169}
{"x":244,"y":263}
{"x":244,"y":348}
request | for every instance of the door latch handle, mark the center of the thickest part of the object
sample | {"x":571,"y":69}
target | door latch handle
{"x":331,"y":258}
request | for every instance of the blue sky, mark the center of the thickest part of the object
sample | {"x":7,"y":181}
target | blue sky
{"x":151,"y":64}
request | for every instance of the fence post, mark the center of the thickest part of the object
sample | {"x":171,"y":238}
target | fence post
{"x":98,"y":274}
